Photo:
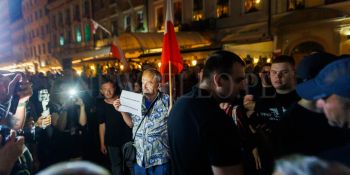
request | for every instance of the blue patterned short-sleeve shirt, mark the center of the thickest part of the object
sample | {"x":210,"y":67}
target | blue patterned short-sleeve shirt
{"x":151,"y":139}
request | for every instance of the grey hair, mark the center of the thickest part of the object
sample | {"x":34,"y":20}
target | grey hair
{"x":155,"y":73}
{"x":75,"y":167}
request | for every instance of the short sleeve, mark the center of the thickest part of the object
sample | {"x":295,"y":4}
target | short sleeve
{"x":100,"y":111}
{"x":222,"y":141}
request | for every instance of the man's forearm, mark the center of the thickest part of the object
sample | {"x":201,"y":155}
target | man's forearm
{"x":82,"y":117}
{"x":16,"y":122}
{"x":102,"y":133}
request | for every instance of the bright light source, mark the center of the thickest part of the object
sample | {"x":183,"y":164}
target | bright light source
{"x":72,"y":92}
{"x":194,"y":62}
{"x":92,"y":67}
{"x":257,"y":1}
{"x":256,"y":60}
{"x":139,"y":66}
{"x":79,"y":72}
{"x":268,"y":60}
{"x":121,"y":67}
{"x":159,"y":64}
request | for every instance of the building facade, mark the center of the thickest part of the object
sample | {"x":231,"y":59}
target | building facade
{"x":37,"y":35}
{"x":263,"y":28}
{"x":257,"y":29}
{"x":5,"y":34}
{"x":70,"y":28}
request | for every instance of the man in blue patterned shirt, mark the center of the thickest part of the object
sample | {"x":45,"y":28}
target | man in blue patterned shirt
{"x":151,"y":140}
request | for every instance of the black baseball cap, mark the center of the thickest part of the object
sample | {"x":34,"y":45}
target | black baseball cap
{"x":312,"y":64}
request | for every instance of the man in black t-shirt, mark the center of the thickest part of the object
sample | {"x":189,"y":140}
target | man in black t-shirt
{"x":203,"y":139}
{"x":113,"y":130}
{"x":268,"y":111}
{"x":304,"y":128}
{"x":331,"y":91}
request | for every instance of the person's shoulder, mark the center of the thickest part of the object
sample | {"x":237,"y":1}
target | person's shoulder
{"x":100,"y":101}
{"x":164,"y":96}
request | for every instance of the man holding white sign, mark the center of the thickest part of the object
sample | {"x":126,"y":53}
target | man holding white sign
{"x":132,"y":102}
{"x":150,"y":128}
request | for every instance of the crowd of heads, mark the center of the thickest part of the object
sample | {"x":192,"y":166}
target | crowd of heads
{"x":321,"y":78}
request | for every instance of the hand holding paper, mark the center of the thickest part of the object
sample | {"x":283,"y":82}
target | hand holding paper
{"x":130,"y":102}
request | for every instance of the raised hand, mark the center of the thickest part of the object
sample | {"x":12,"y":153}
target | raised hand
{"x":10,"y":152}
{"x":116,"y":104}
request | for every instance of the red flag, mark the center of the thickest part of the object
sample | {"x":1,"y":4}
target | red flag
{"x":118,"y":53}
{"x":170,"y":51}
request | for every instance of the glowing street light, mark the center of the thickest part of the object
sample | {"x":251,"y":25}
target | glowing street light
{"x":194,"y":62}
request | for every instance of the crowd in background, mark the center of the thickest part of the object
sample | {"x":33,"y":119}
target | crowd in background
{"x":65,"y":117}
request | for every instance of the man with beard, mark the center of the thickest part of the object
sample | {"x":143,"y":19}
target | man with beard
{"x":203,"y":139}
{"x":114,"y":132}
{"x":331,"y":90}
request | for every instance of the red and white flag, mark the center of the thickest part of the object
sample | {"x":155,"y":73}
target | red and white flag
{"x":118,"y":53}
{"x":170,"y":52}
{"x":95,"y":26}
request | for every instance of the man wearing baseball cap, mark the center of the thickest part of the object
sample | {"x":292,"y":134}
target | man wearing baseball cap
{"x":331,"y":89}
{"x":304,"y":129}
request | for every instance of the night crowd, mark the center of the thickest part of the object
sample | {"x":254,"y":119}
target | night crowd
{"x":228,"y":116}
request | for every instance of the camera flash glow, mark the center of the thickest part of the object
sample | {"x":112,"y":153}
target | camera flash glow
{"x":72,"y":92}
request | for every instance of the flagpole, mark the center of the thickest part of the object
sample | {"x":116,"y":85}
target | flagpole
{"x":170,"y":87}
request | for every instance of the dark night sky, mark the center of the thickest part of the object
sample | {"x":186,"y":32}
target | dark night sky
{"x":15,"y":8}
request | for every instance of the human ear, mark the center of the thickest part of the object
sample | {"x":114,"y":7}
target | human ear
{"x":217,"y":80}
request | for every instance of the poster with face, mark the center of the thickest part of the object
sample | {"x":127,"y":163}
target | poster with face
{"x":44,"y":98}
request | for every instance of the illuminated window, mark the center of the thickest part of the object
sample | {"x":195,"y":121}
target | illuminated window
{"x":87,"y":32}
{"x":140,"y":21}
{"x":222,"y":8}
{"x":61,"y":40}
{"x":177,"y":13}
{"x":295,"y":4}
{"x":198,"y":12}
{"x":160,"y":18}
{"x":78,"y":35}
{"x":252,"y":5}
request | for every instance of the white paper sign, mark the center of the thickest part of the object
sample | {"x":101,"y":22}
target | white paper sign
{"x":131,"y":102}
